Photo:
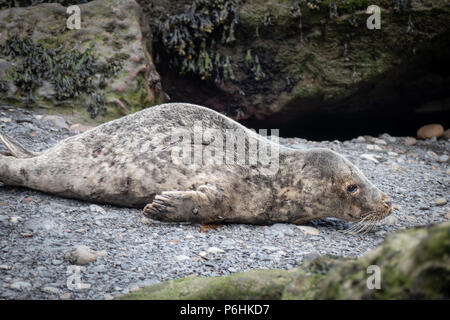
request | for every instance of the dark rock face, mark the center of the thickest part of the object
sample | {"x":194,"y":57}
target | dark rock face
{"x":332,"y":75}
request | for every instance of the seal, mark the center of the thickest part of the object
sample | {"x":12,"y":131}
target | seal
{"x":134,"y":162}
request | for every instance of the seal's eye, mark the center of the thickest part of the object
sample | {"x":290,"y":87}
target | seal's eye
{"x":352,"y":188}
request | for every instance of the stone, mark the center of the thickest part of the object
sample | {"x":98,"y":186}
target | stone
{"x":146,"y":221}
{"x":380,"y":142}
{"x":446,"y":134}
{"x":410,"y":141}
{"x":20,"y":285}
{"x":4,"y":119}
{"x":78,"y":128}
{"x":390,"y":220}
{"x":311,"y":256}
{"x":440,"y":201}
{"x":255,"y":284}
{"x":392,"y":154}
{"x":51,"y":290}
{"x":432,"y":155}
{"x":118,"y":37}
{"x":270,"y":248}
{"x":134,"y":288}
{"x":181,"y":258}
{"x":215,"y":250}
{"x":309,"y":230}
{"x":388,"y":138}
{"x":66,"y":296}
{"x":57,"y":121}
{"x":443,"y":158}
{"x":374,"y":147}
{"x":97,"y":209}
{"x":369,"y":157}
{"x":81,"y":255}
{"x":14,"y":219}
{"x":430,"y":130}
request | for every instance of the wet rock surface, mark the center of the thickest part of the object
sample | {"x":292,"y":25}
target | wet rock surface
{"x":37,"y":229}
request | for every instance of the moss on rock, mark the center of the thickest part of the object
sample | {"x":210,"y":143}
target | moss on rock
{"x":413,"y":264}
{"x":252,"y":285}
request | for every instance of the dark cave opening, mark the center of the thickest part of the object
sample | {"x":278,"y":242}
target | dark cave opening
{"x":398,"y":102}
{"x":399,"y":117}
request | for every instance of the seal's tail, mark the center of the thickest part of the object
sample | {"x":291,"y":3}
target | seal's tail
{"x":14,"y":148}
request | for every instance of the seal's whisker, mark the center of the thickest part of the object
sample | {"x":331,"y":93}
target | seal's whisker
{"x":361,"y":224}
{"x":370,"y":226}
{"x":356,"y":228}
{"x":374,"y":222}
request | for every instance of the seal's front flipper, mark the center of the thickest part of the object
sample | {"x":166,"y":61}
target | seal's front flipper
{"x":205,"y":205}
{"x":14,"y":148}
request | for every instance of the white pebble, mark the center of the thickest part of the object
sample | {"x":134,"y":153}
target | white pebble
{"x":370,"y":157}
{"x":51,"y":290}
{"x":215,"y":250}
{"x":96,"y":209}
{"x":374,"y":147}
{"x":20,"y":285}
{"x":182,"y":258}
{"x":81,"y":255}
{"x":309,"y":230}
{"x":440,"y":201}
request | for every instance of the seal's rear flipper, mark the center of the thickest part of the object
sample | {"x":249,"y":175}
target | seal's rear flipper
{"x":206,"y":205}
{"x":14,"y":148}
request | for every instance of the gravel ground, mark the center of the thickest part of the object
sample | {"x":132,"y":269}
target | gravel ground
{"x":37,"y":230}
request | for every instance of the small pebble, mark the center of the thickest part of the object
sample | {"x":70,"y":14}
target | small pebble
{"x":410,"y":141}
{"x":390,"y":220}
{"x":369,"y":157}
{"x":181,"y":258}
{"x":215,"y":250}
{"x":81,"y":255}
{"x":20,"y":285}
{"x":309,"y":230}
{"x":51,"y":290}
{"x":440,"y":201}
{"x":374,"y":147}
{"x":66,"y":296}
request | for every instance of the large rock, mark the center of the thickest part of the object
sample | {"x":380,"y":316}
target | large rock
{"x":105,"y":64}
{"x":254,"y":285}
{"x":331,"y":74}
{"x":430,"y":131}
{"x":413,"y":264}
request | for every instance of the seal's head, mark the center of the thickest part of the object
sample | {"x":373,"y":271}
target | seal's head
{"x":343,"y":190}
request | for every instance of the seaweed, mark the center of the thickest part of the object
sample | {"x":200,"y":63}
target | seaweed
{"x":96,"y":105}
{"x":188,"y":41}
{"x":71,"y":72}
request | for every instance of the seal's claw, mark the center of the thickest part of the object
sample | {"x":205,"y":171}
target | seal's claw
{"x":155,"y":209}
{"x":184,"y":206}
